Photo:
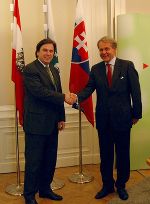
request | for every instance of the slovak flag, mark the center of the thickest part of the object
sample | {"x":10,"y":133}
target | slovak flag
{"x":18,"y":62}
{"x":79,"y":73}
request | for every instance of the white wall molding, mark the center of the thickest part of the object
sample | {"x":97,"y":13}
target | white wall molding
{"x":68,"y":151}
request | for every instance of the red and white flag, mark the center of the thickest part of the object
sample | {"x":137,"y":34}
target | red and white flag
{"x":18,"y":62}
{"x":79,"y":73}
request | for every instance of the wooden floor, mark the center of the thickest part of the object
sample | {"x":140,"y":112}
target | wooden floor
{"x":72,"y":193}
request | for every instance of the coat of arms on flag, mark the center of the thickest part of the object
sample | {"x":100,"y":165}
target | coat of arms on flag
{"x":18,"y":62}
{"x":79,"y":73}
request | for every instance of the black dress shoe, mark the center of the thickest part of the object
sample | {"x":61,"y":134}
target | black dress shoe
{"x":123,"y":195}
{"x":30,"y":201}
{"x":104,"y":192}
{"x":50,"y":195}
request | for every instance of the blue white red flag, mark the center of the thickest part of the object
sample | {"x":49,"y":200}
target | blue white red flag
{"x":18,"y":62}
{"x":79,"y":73}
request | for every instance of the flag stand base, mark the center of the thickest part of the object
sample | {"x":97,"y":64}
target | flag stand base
{"x":57,"y":184}
{"x":17,"y":190}
{"x":14,"y":189}
{"x":81,"y":178}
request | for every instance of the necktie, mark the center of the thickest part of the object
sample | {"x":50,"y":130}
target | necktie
{"x":51,"y":76}
{"x":109,"y":74}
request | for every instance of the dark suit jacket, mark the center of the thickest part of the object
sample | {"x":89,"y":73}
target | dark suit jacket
{"x":120,"y":103}
{"x":43,"y":106}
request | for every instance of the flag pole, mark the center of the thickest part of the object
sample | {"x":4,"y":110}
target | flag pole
{"x":56,"y":183}
{"x":80,"y":143}
{"x":80,"y":177}
{"x":16,"y":189}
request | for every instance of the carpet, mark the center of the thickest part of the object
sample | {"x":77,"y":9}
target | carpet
{"x":138,"y":194}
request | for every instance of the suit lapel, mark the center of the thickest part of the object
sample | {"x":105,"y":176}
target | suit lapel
{"x":44,"y":72}
{"x":116,"y":72}
{"x":102,"y":73}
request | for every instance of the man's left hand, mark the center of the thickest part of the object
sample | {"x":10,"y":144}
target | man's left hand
{"x":134,"y":121}
{"x":61,"y":125}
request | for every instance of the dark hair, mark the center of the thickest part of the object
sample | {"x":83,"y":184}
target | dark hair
{"x":43,"y":42}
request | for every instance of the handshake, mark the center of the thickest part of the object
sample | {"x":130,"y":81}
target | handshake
{"x":71,"y":98}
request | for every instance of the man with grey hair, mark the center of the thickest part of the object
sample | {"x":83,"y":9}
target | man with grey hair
{"x":118,"y":108}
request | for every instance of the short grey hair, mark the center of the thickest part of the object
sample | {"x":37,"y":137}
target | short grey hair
{"x":107,"y":39}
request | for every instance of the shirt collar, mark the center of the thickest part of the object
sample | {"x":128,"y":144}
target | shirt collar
{"x":112,"y":62}
{"x":44,"y":65}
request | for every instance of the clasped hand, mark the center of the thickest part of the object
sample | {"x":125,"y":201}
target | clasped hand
{"x":70,"y":98}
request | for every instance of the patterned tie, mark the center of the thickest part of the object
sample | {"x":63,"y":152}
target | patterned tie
{"x":109,"y":74}
{"x":51,"y":76}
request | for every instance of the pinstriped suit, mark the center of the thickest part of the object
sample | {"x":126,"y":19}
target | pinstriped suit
{"x":44,"y":108}
{"x":115,"y":109}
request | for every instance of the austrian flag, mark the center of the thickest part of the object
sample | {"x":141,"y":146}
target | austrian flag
{"x":18,"y":62}
{"x":79,"y":73}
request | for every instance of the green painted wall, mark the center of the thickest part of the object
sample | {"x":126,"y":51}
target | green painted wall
{"x":133,"y":36}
